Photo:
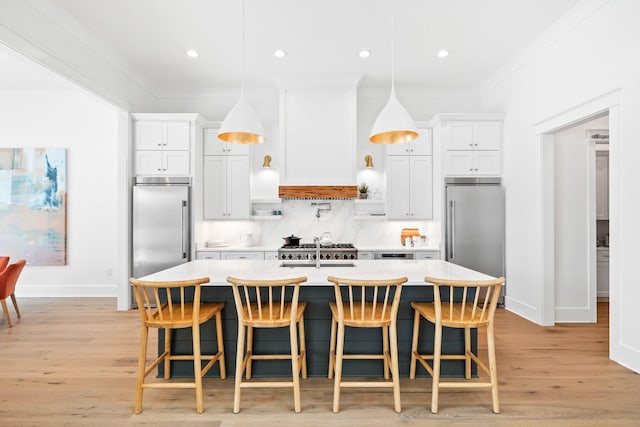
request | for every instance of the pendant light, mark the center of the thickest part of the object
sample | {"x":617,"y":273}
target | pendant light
{"x":394,"y":125}
{"x":242,"y":125}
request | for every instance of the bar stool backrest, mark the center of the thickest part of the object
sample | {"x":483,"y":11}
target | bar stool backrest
{"x":4,"y":261}
{"x":267,"y":303}
{"x":461,"y":303}
{"x":172,"y":304}
{"x":367,"y":301}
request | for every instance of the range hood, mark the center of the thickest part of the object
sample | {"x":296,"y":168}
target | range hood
{"x":305,"y":192}
{"x":318,"y":133}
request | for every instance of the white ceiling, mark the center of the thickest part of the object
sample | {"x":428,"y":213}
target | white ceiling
{"x":320,"y":36}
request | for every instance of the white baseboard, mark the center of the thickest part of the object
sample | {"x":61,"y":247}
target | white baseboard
{"x":522,"y":309}
{"x":575,"y":315}
{"x":66,"y":291}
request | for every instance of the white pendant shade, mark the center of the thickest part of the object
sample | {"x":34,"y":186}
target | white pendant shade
{"x":242,"y":125}
{"x":394,"y":125}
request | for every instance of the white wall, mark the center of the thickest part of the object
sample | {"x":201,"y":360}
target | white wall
{"x":574,"y":172}
{"x":87,"y":128}
{"x":586,"y":56}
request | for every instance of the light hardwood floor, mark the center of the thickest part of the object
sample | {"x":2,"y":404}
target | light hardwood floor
{"x":72,"y":362}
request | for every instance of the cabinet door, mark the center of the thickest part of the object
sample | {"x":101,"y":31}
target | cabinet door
{"x":242,"y":255}
{"x":238,"y":202}
{"x":149,"y":162}
{"x":176,"y":162}
{"x":487,"y":163}
{"x":423,"y":145}
{"x":365,"y":255}
{"x":459,"y":136}
{"x":403,"y":149}
{"x":398,"y":187}
{"x":207,"y":255}
{"x":215,"y":183}
{"x":176,"y":135}
{"x":458,"y":163}
{"x":421,"y":185}
{"x":271,"y":255}
{"x":427,"y":255}
{"x":214,"y":146}
{"x":487,"y":135}
{"x":148,"y":135}
{"x":602,"y":186}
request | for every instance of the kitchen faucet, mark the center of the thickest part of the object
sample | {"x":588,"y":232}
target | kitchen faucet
{"x":316,"y":240}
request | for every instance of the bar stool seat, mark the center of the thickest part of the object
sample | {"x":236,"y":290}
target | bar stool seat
{"x":269,"y":304}
{"x":465,"y":305}
{"x":366,"y":304}
{"x":164,"y":305}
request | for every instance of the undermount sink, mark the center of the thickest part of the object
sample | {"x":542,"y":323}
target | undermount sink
{"x":322,"y":264}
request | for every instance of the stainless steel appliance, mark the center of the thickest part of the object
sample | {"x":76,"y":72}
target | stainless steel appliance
{"x":474,"y":224}
{"x":393,"y":255}
{"x":161,"y":226}
{"x":307,"y":251}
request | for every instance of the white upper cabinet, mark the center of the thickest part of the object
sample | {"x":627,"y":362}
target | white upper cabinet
{"x":471,"y":144}
{"x":214,"y":146}
{"x":421,"y":146}
{"x":156,"y":135}
{"x":162,"y":147}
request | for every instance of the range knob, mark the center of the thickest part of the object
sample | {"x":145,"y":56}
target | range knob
{"x":290,"y":256}
{"x":336,"y":256}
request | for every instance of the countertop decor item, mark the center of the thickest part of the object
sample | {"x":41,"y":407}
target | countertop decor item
{"x":363,"y":191}
{"x":408,"y":232}
{"x":292,"y":240}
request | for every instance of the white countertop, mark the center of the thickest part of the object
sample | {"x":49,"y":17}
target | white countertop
{"x":414,"y":270}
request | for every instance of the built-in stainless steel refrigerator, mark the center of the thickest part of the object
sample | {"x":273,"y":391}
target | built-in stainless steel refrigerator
{"x":474,"y":224}
{"x":160,"y":224}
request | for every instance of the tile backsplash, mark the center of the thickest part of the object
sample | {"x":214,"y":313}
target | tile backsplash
{"x":299,"y":217}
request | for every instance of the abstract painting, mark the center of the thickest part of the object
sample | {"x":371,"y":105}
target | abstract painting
{"x":33,"y":208}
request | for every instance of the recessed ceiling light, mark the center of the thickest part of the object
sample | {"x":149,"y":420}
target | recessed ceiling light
{"x":443,"y":53}
{"x":364,"y":53}
{"x":279,"y":53}
{"x":192,"y":53}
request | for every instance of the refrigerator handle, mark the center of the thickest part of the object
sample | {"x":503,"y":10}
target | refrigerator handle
{"x":185,"y":231}
{"x":451,"y":229}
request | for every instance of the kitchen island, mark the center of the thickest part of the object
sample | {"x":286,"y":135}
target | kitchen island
{"x":318,"y":292}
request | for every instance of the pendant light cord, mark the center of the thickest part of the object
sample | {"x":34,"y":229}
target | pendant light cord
{"x":393,"y":33}
{"x":242,"y":52}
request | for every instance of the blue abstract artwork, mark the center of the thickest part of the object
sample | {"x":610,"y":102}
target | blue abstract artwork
{"x":33,"y":211}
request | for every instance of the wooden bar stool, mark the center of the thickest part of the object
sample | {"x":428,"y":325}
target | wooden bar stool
{"x":465,"y":305}
{"x":164,"y":305}
{"x":367,"y":304}
{"x":269,"y":304}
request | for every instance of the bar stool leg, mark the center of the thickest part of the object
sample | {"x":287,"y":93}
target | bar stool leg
{"x":249,"y":351}
{"x":394,"y":367}
{"x":295,"y":368}
{"x":239,"y":367}
{"x":167,"y":350}
{"x":142,"y":358}
{"x":385,"y":351}
{"x":197,"y":369}
{"x":338,"y":369}
{"x":467,"y":351}
{"x":221,"y":361}
{"x":332,"y":347}
{"x":414,"y":345}
{"x":303,"y":348}
{"x":437,"y":351}
{"x":491,"y":347}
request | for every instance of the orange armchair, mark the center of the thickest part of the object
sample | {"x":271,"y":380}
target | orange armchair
{"x":8,"y":279}
{"x":4,"y":261}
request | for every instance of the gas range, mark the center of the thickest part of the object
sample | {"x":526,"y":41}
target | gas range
{"x":307,"y":251}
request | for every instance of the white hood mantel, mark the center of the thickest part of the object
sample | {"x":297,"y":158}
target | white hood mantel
{"x":318,"y":129}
